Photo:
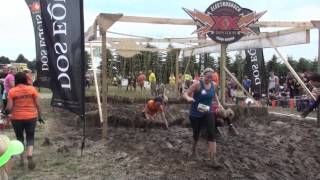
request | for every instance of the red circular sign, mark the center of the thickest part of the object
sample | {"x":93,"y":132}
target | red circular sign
{"x":226,"y":15}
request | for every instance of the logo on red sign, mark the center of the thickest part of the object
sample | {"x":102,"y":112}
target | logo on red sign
{"x":224,"y":21}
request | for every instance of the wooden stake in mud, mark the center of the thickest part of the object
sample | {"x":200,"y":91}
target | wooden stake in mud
{"x":177,"y":72}
{"x":96,"y":86}
{"x":317,"y":25}
{"x":223,"y":60}
{"x":104,"y":83}
{"x":105,"y":21}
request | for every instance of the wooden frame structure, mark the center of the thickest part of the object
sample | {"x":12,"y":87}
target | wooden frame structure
{"x":104,"y":21}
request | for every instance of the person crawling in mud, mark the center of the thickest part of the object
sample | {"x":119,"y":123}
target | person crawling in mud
{"x":154,"y":107}
{"x":201,"y":94}
{"x":314,"y":81}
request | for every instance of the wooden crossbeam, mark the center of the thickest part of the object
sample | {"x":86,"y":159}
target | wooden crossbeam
{"x":175,"y":21}
{"x":98,"y":44}
{"x":156,"y":40}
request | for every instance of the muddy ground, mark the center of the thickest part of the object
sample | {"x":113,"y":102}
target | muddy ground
{"x":268,"y":147}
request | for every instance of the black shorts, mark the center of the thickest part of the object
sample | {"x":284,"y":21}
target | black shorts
{"x":28,"y":126}
{"x":206,"y":122}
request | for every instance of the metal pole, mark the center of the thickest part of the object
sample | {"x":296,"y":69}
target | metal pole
{"x":223,"y":60}
{"x":104,"y":83}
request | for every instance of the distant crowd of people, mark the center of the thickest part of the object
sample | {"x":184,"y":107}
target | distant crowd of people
{"x":291,"y":89}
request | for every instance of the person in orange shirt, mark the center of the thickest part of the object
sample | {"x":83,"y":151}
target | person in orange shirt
{"x":155,"y":106}
{"x":23,"y":103}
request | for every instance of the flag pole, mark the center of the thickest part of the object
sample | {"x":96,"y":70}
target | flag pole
{"x":82,"y":116}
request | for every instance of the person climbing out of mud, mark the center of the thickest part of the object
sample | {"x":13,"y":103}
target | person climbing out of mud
{"x":154,"y":107}
{"x":314,"y":81}
{"x":201,"y":94}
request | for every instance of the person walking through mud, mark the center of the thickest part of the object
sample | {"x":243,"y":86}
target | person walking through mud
{"x":156,"y":106}
{"x":23,"y":104}
{"x":201,"y":95}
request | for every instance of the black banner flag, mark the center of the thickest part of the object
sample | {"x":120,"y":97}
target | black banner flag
{"x":43,"y":76}
{"x":255,"y":58}
{"x":64,"y":35}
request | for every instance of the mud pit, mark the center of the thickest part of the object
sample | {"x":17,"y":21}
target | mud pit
{"x":268,"y":147}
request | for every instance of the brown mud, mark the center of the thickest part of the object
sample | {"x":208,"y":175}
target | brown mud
{"x":268,"y":147}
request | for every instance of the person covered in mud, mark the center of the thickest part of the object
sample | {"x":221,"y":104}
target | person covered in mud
{"x":314,"y":81}
{"x":224,"y":116}
{"x":201,"y":94}
{"x":154,"y":107}
{"x":23,"y":105}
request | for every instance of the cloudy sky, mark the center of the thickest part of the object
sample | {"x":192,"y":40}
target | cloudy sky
{"x":16,"y":31}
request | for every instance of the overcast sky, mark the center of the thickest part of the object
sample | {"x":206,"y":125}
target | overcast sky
{"x":17,"y":36}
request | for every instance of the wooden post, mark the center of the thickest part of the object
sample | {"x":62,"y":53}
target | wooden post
{"x":223,"y":60}
{"x":104,"y":84}
{"x":177,"y":72}
{"x":96,"y":85}
{"x":317,"y":25}
{"x":187,"y":67}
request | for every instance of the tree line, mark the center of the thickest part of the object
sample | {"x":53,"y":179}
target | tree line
{"x":20,"y":59}
{"x":163,"y":64}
